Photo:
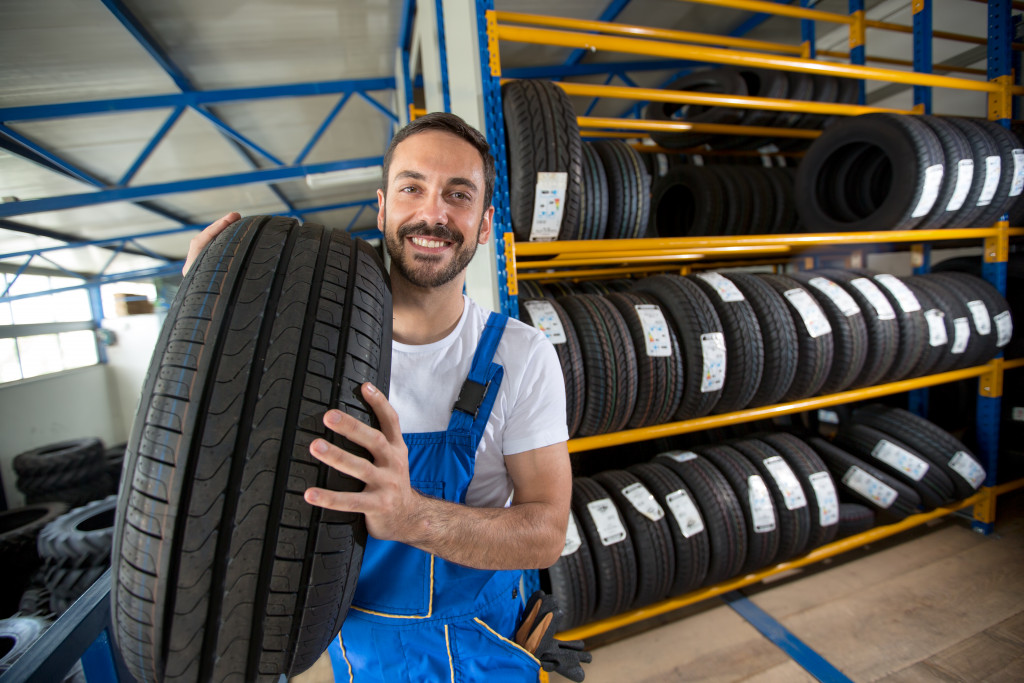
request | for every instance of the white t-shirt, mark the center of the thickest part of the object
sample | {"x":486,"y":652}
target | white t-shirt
{"x":528,"y":413}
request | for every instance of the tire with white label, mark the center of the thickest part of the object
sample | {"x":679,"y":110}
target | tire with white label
{"x":933,"y":350}
{"x":594,"y":204}
{"x":570,"y":357}
{"x":787,"y":494}
{"x":900,"y":460}
{"x":849,"y":332}
{"x":571,"y":580}
{"x":817,"y":483}
{"x":984,"y":183}
{"x":220,"y":567}
{"x":1011,"y":166}
{"x":720,"y":510}
{"x":629,"y":189}
{"x":609,"y":362}
{"x":957,"y":176}
{"x":649,"y":532}
{"x":700,"y":338}
{"x":686,"y":525}
{"x":688,"y":201}
{"x":907,"y":160}
{"x":930,"y":440}
{"x":541,"y":136}
{"x":879,"y":319}
{"x":814,"y":343}
{"x":863,"y":482}
{"x":990,"y":316}
{"x":611,"y":547}
{"x":854,"y":518}
{"x":744,"y":358}
{"x":954,"y":320}
{"x":778,"y":334}
{"x":659,"y":386}
{"x":752,"y":493}
{"x":910,"y":319}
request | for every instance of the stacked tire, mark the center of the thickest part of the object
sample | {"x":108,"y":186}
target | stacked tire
{"x":19,"y":529}
{"x":74,"y":472}
{"x":75,"y":551}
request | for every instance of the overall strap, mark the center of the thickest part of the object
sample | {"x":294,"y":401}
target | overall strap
{"x":478,"y":391}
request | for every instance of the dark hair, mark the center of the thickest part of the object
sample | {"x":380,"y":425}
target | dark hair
{"x":447,"y":123}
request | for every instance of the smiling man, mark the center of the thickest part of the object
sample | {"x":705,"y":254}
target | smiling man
{"x":470,"y":478}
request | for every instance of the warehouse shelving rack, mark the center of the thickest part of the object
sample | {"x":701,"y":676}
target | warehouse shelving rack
{"x":616,"y":258}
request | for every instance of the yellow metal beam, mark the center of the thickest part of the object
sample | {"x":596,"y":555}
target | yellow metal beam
{"x":611,"y":28}
{"x":836,"y":54}
{"x":588,"y":122}
{"x":588,"y":443}
{"x":592,"y":273}
{"x":649,"y":255}
{"x":715,"y":55}
{"x":779,"y":10}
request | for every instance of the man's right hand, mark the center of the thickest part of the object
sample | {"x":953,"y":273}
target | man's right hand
{"x":199,"y":242}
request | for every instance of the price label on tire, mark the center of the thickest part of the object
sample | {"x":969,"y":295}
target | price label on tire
{"x":993,"y":166}
{"x":883,"y":309}
{"x":548,"y":205}
{"x":839,"y":296}
{"x":936,"y":327}
{"x":967,"y":467}
{"x":762,"y":512}
{"x":655,"y":327}
{"x":809,"y":310}
{"x":792,"y":492}
{"x":964,"y":176}
{"x":982,"y":323}
{"x":871,"y":487}
{"x":961,"y":335}
{"x":644,"y":502}
{"x":572,"y":537}
{"x":900,"y":459}
{"x":828,"y":499}
{"x":545,"y":318}
{"x":1004,"y":328}
{"x":606,"y":519}
{"x":904,"y":297}
{"x":685,"y":512}
{"x":713,"y":349}
{"x":723,"y":286}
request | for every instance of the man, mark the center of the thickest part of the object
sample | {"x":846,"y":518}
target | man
{"x":457,"y":499}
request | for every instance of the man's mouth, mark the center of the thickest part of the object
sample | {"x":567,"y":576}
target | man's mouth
{"x":428,"y":242}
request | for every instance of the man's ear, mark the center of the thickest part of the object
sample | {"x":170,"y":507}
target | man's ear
{"x":486,"y":226}
{"x":380,"y":210}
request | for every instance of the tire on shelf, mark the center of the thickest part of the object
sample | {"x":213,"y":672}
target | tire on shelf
{"x":954,"y":316}
{"x":719,"y":509}
{"x":541,"y":136}
{"x":629,"y":189}
{"x":688,"y":201}
{"x":936,"y":336}
{"x":1011,"y":174}
{"x":982,"y":147}
{"x":910,"y":317}
{"x":760,"y":83}
{"x":18,"y":634}
{"x":957,"y":176}
{"x":849,"y":331}
{"x":816,"y":481}
{"x":689,"y":534}
{"x":611,"y":547}
{"x":533,"y":311}
{"x":714,"y":80}
{"x":594,"y":205}
{"x":737,"y":206}
{"x":571,"y":580}
{"x":67,"y":582}
{"x":20,"y":527}
{"x":80,"y":536}
{"x":991,"y":319}
{"x":814,"y":337}
{"x":893,"y":142}
{"x":66,"y":464}
{"x":854,"y":518}
{"x":220,"y":568}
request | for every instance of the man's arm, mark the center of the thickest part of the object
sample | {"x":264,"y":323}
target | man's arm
{"x":529,"y":534}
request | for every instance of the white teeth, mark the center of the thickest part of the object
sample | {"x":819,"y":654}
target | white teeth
{"x":423,"y":242}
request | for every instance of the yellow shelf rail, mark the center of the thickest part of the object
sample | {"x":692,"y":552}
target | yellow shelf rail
{"x":817,"y":555}
{"x":588,"y":122}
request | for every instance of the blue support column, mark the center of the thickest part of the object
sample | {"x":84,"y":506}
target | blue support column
{"x":444,"y":57}
{"x":923,"y":51}
{"x":857,"y":39}
{"x":807,"y":33}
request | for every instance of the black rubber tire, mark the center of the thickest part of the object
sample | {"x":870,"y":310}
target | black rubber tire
{"x":854,"y":518}
{"x":931,"y":354}
{"x":61,"y":465}
{"x":736,"y":210}
{"x":594,"y":204}
{"x":778,"y":334}
{"x":20,"y":527}
{"x":609,"y":362}
{"x":688,"y":201}
{"x":935,"y":488}
{"x":570,"y":357}
{"x":879,"y":319}
{"x":763,"y":200}
{"x":849,"y":331}
{"x":659,"y":386}
{"x":689,"y":535}
{"x":982,"y":146}
{"x":220,"y":567}
{"x":68,"y":582}
{"x":744,"y":346}
{"x":17,"y":635}
{"x":898,"y":501}
{"x":760,"y":83}
{"x":696,"y":325}
{"x":787,"y":493}
{"x":784,"y":219}
{"x":762,"y":534}
{"x":629,"y":189}
{"x":991,"y":332}
{"x":814,"y":353}
{"x":954,"y":316}
{"x":902,"y":142}
{"x":571,"y":580}
{"x":800,"y":87}
{"x":652,"y":538}
{"x":721,"y":513}
{"x":81,"y":536}
{"x":936,"y":444}
{"x":913,"y":326}
{"x":541,"y":135}
{"x":958,"y":156}
{"x":1009,"y":149}
{"x":615,"y":563}
{"x":816,"y":481}
{"x":715,"y":80}
{"x":113,"y":460}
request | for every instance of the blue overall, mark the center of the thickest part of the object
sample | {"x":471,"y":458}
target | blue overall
{"x":417,"y":617}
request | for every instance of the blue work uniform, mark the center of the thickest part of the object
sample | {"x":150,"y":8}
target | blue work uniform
{"x":417,"y":617}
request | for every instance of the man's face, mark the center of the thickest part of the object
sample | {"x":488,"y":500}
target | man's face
{"x":433,"y":216}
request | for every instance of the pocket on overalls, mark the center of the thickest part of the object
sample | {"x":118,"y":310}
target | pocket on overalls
{"x":481,"y":654}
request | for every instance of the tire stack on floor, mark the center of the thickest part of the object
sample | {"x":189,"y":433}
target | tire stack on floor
{"x":75,"y":472}
{"x":668,"y":348}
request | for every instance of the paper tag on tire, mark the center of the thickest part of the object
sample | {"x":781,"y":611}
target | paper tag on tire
{"x":712,"y":347}
{"x":993,"y":166}
{"x":904,"y":297}
{"x":685,"y":512}
{"x":982,"y":323}
{"x":1018,"y":173}
{"x":655,"y":327}
{"x":961,"y":335}
{"x":681,"y":456}
{"x":725,"y":287}
{"x":871,"y":292}
{"x":548,"y":205}
{"x":937,"y":335}
{"x":606,"y":519}
{"x":762,"y":512}
{"x":930,"y":190}
{"x":900,"y":459}
{"x":644,"y":502}
{"x":813,"y":317}
{"x":1004,"y":328}
{"x":792,"y":492}
{"x":964,"y":176}
{"x":545,"y":318}
{"x":839,"y":296}
{"x":572,"y":537}
{"x":869,"y":486}
{"x":828,"y":499}
{"x":967,"y":467}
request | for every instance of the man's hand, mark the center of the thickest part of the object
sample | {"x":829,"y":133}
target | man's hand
{"x":199,"y":242}
{"x":389,"y":502}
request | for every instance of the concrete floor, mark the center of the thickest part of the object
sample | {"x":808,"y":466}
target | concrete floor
{"x":936,"y":603}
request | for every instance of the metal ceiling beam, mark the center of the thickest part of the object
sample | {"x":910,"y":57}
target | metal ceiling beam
{"x":142,"y":35}
{"x":610,"y":13}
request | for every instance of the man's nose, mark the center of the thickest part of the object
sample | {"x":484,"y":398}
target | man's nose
{"x":434,"y":211}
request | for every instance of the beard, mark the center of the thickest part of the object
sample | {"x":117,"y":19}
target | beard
{"x":428,"y":270}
